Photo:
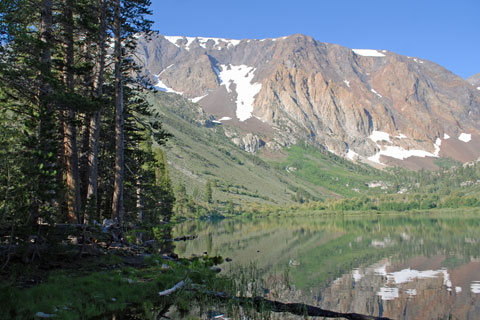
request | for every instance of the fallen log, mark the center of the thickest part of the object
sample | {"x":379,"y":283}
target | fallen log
{"x":172,"y":289}
{"x":300,"y":309}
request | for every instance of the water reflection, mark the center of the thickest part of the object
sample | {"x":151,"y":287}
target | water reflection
{"x":402,"y":266}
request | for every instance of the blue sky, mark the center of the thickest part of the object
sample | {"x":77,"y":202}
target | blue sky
{"x":444,"y":31}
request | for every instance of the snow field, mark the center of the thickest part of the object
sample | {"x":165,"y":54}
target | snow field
{"x":241,"y":76}
{"x":368,"y":53}
{"x":465,"y":137}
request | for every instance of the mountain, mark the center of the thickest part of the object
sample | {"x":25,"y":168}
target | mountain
{"x":475,"y":81}
{"x":372,"y":106}
{"x":199,"y":152}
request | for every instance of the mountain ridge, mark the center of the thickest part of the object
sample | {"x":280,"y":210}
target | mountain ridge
{"x":296,"y":88}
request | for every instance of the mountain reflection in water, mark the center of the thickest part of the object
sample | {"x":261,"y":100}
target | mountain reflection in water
{"x":418,"y":266}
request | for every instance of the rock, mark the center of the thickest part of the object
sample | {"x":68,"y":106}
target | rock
{"x":216,"y":269}
{"x":165,"y":266}
{"x":293,"y":263}
{"x":249,"y":142}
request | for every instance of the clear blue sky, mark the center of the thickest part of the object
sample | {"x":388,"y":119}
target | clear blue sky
{"x":444,"y":31}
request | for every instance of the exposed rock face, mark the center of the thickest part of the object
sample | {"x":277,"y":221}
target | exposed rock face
{"x":250,"y":143}
{"x":302,"y":89}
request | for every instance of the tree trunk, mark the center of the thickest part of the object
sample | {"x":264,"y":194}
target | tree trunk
{"x":70,"y":130}
{"x":139,"y":206}
{"x":95,"y":120}
{"x":139,"y":200}
{"x":117,"y":200}
{"x":83,"y":159}
{"x":45,"y":160}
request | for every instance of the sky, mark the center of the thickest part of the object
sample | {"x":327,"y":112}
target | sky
{"x":443,"y":31}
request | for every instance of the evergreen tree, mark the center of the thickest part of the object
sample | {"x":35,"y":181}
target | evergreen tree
{"x":81,"y":115}
{"x":208,"y":192}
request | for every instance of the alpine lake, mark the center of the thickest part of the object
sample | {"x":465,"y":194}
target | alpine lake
{"x":423,"y":265}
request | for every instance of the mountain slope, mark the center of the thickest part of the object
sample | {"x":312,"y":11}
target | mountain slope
{"x":199,"y":151}
{"x":373,"y":106}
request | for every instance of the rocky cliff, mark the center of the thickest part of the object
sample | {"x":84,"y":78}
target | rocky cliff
{"x":373,"y":106}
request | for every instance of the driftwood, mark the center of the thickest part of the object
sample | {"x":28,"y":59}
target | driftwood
{"x":172,"y":289}
{"x":300,"y":309}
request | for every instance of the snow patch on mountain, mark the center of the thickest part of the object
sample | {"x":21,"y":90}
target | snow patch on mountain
{"x":381,"y":270}
{"x":224,"y":119}
{"x":437,"y":145}
{"x":275,"y":39}
{"x":465,"y":137}
{"x":368,"y":53}
{"x":159,"y":85}
{"x":218,"y":41}
{"x":379,"y":95}
{"x":174,"y":40}
{"x":396,"y":151}
{"x":411,"y":292}
{"x":195,"y":100}
{"x":399,"y":153}
{"x":379,"y":136}
{"x":386,"y":293}
{"x":241,"y":76}
{"x":352,"y":155}
{"x":446,"y":136}
{"x":202,"y":41}
{"x":357,"y":276}
{"x":475,"y":287}
{"x":409,"y":275}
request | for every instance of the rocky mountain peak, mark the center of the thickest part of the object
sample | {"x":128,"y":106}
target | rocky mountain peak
{"x":275,"y":92}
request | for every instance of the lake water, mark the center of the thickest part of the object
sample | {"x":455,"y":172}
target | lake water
{"x":416,"y":266}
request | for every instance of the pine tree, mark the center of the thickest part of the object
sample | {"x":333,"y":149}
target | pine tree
{"x":129,"y":19}
{"x":208,"y":192}
{"x":55,"y":75}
